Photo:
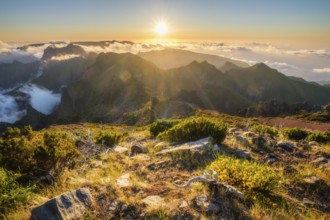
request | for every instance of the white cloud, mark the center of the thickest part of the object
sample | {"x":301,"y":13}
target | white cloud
{"x":317,"y":52}
{"x":41,"y":99}
{"x":282,"y":66}
{"x":9,"y":110}
{"x":65,"y":57}
{"x":321,"y":70}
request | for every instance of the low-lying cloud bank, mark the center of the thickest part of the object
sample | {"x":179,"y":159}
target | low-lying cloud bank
{"x":41,"y":99}
{"x":9,"y":111}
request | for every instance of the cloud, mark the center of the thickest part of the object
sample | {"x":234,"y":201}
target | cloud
{"x":9,"y":111}
{"x":282,"y":66}
{"x":65,"y":57}
{"x":41,"y":99}
{"x":321,"y":70}
{"x":318,"y":52}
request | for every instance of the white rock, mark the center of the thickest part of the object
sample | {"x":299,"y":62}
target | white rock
{"x":123,"y":181}
{"x":198,"y":145}
{"x":120,"y":150}
{"x":154,"y":201}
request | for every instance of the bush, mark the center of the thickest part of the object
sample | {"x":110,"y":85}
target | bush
{"x":194,"y":129}
{"x":319,"y":137}
{"x":245,"y":175}
{"x":294,"y":133}
{"x":59,"y":151}
{"x":160,"y":126}
{"x":108,"y":138}
{"x":264,"y":129}
{"x":11,"y":193}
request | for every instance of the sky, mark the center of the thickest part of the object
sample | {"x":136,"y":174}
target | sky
{"x":303,"y":22}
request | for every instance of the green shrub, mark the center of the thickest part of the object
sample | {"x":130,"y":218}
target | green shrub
{"x":245,"y":175}
{"x":194,"y":129}
{"x":59,"y":151}
{"x":108,"y":138}
{"x":160,"y":126}
{"x":11,"y":193}
{"x":264,"y":129}
{"x":294,"y":133}
{"x":319,"y":137}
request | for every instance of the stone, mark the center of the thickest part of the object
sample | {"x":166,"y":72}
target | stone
{"x":232,"y":130}
{"x":154,"y":201}
{"x":123,"y":181}
{"x":199,"y":145}
{"x":312,"y":180}
{"x":183,"y":204}
{"x":69,"y":205}
{"x":242,"y":140}
{"x":319,"y":161}
{"x":202,"y":202}
{"x":136,"y":149}
{"x":120,"y":150}
{"x":216,"y":148}
{"x":243,"y":154}
{"x":259,"y":141}
{"x":249,"y":134}
{"x":287,"y":146}
{"x":313,"y":144}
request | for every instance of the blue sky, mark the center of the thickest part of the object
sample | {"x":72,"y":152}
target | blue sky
{"x":187,"y":19}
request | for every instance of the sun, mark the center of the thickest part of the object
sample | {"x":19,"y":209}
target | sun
{"x":161,"y":28}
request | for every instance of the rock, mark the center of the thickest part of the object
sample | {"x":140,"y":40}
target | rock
{"x":199,"y":200}
{"x":287,"y":146}
{"x":142,"y":157}
{"x":123,"y":181}
{"x":154,"y":201}
{"x":202,"y":144}
{"x":313,"y":144}
{"x":183,"y":204}
{"x":120,"y":150}
{"x":202,"y":202}
{"x":308,"y":202}
{"x":312,"y":180}
{"x":243,"y":154}
{"x":249,"y":134}
{"x":259,"y":141}
{"x":135,"y":149}
{"x":216,"y":148}
{"x":232,"y":130}
{"x":241,"y":140}
{"x":69,"y":205}
{"x":319,"y":161}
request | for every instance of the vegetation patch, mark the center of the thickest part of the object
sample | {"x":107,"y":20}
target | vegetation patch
{"x":195,"y":128}
{"x":246,"y":175}
{"x":294,"y":133}
{"x":264,"y":129}
{"x":108,"y":138}
{"x":321,"y":137}
{"x":160,"y":126}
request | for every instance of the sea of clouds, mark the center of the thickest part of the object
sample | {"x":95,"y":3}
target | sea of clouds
{"x":310,"y":64}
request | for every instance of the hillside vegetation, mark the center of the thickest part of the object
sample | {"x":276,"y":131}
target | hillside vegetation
{"x":278,"y":180}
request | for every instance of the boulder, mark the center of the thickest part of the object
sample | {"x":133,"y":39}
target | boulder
{"x":313,"y":144}
{"x":249,"y":134}
{"x":202,"y":144}
{"x":242,"y":140}
{"x":137,"y":149}
{"x":287,"y":146}
{"x":123,"y":181}
{"x":243,"y":154}
{"x":208,"y":207}
{"x":154,"y":201}
{"x":259,"y":141}
{"x":120,"y":150}
{"x":69,"y":205}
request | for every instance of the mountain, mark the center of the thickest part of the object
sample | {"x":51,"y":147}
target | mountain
{"x":173,"y":58}
{"x":262,"y":83}
{"x":15,"y":73}
{"x":70,"y":49}
{"x":228,"y":66}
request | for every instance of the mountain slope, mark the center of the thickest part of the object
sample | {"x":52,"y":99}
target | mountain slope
{"x":173,"y":58}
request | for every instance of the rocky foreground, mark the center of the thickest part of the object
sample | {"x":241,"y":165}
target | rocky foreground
{"x":249,"y":175}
